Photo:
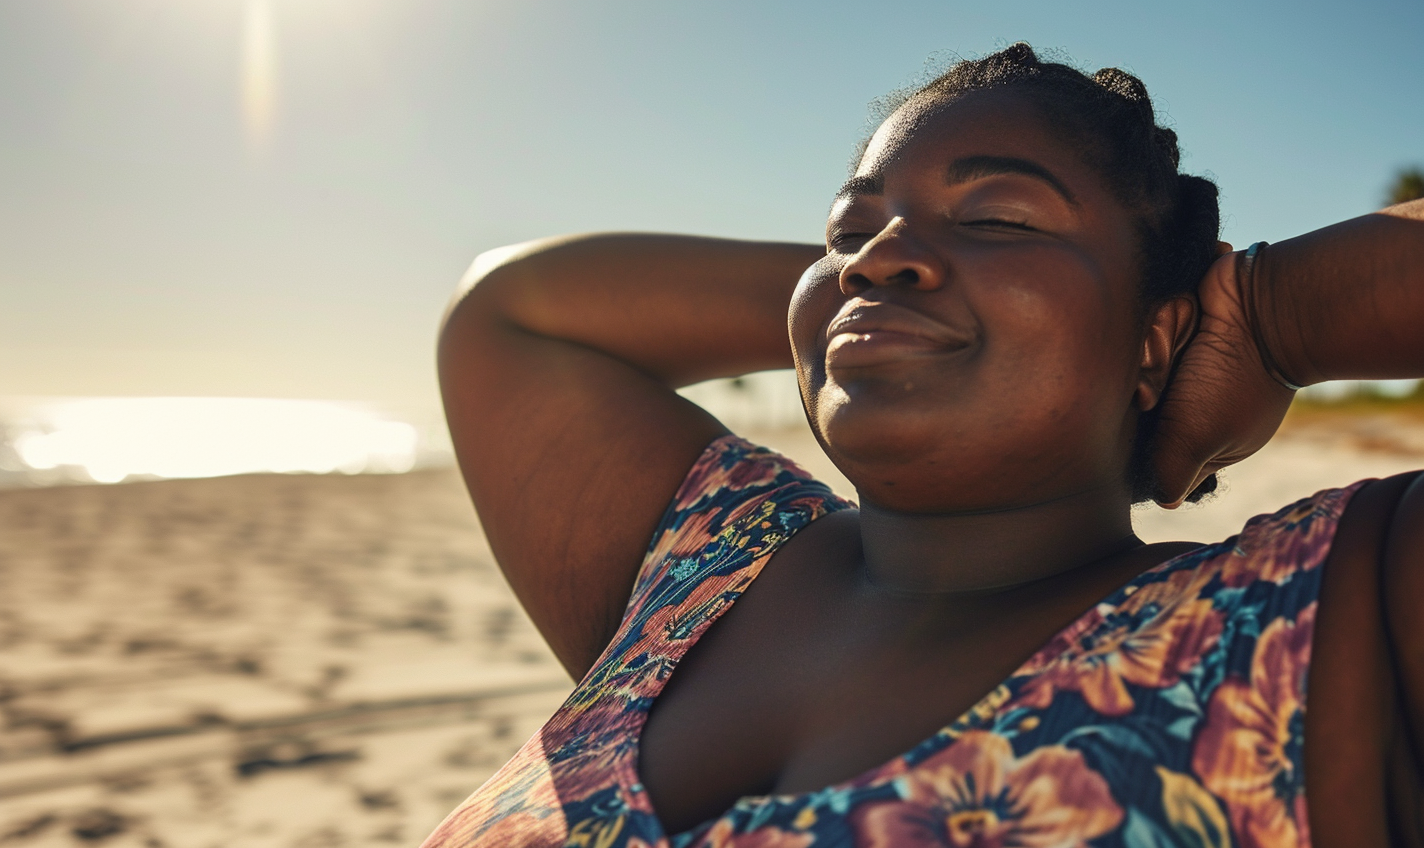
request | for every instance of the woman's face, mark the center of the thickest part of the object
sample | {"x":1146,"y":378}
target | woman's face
{"x":972,"y":339}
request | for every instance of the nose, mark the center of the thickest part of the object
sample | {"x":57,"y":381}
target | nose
{"x":895,"y":257}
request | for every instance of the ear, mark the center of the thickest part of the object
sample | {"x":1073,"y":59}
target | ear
{"x":1168,"y":328}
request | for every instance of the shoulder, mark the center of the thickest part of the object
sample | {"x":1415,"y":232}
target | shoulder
{"x":733,"y":472}
{"x":1401,"y":593}
{"x":1369,"y":610}
{"x":1383,"y":518}
{"x":1396,"y":521}
{"x":1405,"y":540}
{"x":739,"y":502}
{"x":1376,"y":526}
{"x":1307,"y":528}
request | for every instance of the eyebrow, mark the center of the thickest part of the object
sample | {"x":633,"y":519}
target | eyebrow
{"x":872,"y":184}
{"x":978,"y":167}
{"x":963,"y":171}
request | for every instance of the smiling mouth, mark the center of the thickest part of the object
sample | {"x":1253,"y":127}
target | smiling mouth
{"x":866,"y":334}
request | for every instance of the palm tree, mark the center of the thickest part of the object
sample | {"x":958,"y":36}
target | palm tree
{"x":1408,"y":185}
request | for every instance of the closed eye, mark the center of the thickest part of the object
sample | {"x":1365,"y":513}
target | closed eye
{"x":843,"y":241}
{"x":1000,"y":222}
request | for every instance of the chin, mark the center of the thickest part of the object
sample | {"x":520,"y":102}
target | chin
{"x":900,"y":463}
{"x":871,"y":431}
{"x":922,"y":464}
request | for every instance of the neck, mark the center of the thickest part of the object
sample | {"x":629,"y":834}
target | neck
{"x":990,"y":551}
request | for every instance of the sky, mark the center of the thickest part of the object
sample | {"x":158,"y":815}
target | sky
{"x":275,"y":198}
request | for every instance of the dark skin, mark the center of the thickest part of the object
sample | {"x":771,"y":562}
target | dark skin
{"x":974,"y":356}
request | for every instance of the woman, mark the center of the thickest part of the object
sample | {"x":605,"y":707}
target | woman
{"x":1021,"y":323}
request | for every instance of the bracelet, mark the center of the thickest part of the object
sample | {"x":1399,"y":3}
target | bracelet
{"x":1248,"y":277}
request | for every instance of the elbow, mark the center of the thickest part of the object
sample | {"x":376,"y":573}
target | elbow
{"x":478,"y":305}
{"x":503,"y":282}
{"x":479,"y":287}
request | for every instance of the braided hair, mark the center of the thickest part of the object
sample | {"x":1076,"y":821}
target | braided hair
{"x":1109,"y":117}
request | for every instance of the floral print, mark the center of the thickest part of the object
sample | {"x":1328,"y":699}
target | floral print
{"x":1170,"y":714}
{"x":1250,"y":753}
{"x":977,"y":794}
{"x":1114,"y":650}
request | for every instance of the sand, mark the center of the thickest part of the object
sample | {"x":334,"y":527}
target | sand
{"x":254,"y":661}
{"x":314,"y":661}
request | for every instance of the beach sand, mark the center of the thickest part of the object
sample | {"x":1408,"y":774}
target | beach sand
{"x":254,"y":661}
{"x":324,"y":661}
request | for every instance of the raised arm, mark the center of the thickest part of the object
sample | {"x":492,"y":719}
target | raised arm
{"x":1346,"y":302}
{"x":1343,"y":302}
{"x":558,"y":360}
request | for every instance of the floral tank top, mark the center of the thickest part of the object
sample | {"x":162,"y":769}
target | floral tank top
{"x":1169,"y":714}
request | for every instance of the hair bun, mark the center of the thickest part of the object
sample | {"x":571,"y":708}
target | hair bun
{"x":1122,"y":84}
{"x":1166,"y":140}
{"x":1020,"y":53}
{"x":1198,"y":190}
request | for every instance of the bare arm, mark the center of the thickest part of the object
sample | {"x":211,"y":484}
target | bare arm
{"x":1343,"y":302}
{"x":558,"y":360}
{"x":1347,"y":301}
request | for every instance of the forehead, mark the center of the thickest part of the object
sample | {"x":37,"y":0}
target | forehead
{"x":995,"y":123}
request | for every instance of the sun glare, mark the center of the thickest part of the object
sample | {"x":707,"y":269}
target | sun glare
{"x":113,"y":439}
{"x":259,"y":73}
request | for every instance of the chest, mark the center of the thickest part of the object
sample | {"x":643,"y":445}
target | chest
{"x":796,"y":690}
{"x":804,"y":683}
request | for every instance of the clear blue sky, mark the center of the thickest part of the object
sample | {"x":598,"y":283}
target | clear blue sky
{"x":149,"y":244}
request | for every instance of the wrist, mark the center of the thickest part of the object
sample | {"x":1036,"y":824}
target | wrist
{"x":1258,"y":302}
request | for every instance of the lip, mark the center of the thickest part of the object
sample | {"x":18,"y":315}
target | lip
{"x":866,"y":333}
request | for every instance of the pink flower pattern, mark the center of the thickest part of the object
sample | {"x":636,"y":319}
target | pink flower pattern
{"x":977,"y":794}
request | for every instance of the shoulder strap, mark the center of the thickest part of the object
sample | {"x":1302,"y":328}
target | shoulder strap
{"x":732,"y":482}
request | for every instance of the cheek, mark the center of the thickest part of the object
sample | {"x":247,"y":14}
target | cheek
{"x":1066,"y":323}
{"x":813,"y":303}
{"x":1063,"y":358}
